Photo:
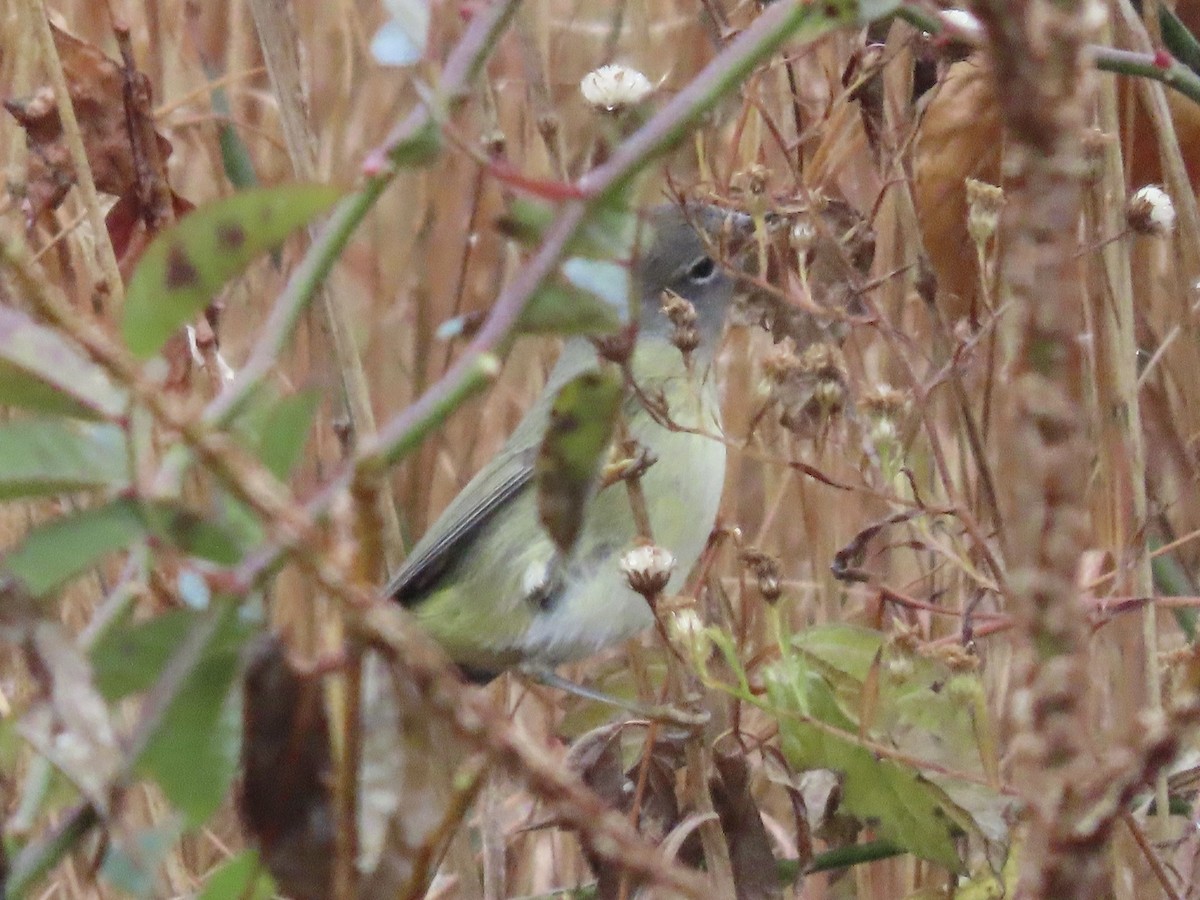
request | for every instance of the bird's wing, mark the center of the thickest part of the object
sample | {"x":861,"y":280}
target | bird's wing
{"x":495,"y":486}
{"x":502,"y":479}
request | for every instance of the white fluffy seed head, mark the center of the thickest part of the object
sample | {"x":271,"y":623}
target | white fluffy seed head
{"x":614,"y":88}
{"x":1150,"y":211}
{"x":648,"y":568}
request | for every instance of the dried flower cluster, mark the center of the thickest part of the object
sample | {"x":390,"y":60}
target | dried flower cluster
{"x":682,"y":316}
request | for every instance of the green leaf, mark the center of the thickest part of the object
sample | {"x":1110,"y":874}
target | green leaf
{"x":591,"y":294}
{"x":1181,"y":42}
{"x":39,"y":457}
{"x":854,"y":855}
{"x":244,"y":877}
{"x":573,"y":450}
{"x":560,"y":308}
{"x":128,"y":657}
{"x":186,"y":265}
{"x":904,"y":808}
{"x":192,"y":533}
{"x":193,"y":752}
{"x":871,"y":10}
{"x":608,"y":233}
{"x":59,"y":550}
{"x":276,"y":429}
{"x":39,"y":370}
{"x":419,"y":150}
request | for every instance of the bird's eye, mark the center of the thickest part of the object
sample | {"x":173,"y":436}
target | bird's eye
{"x":702,"y":270}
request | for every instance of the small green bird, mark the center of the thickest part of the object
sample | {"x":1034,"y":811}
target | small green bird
{"x":486,"y":580}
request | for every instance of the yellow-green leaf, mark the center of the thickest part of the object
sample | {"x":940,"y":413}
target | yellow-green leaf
{"x":573,"y":450}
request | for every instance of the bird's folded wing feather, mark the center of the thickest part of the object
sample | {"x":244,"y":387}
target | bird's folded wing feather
{"x":495,"y":486}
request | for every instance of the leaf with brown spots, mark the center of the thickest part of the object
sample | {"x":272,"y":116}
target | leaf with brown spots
{"x":187,"y":264}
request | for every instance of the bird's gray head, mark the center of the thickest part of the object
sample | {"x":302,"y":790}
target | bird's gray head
{"x":681,"y":258}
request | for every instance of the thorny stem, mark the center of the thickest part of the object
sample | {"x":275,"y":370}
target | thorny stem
{"x":1039,"y":53}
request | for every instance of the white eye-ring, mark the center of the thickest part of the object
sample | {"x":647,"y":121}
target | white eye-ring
{"x":702,"y":270}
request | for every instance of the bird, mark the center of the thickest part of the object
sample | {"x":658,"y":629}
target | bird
{"x":487,"y":582}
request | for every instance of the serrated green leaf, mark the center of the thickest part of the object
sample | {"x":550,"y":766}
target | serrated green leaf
{"x":573,"y":450}
{"x":186,"y":265}
{"x":244,"y":877}
{"x":39,"y":370}
{"x":924,"y":709}
{"x":194,"y":750}
{"x":39,"y":457}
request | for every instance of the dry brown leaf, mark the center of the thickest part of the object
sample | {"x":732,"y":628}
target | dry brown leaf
{"x":959,"y":137}
{"x":97,"y":86}
{"x":754,"y":869}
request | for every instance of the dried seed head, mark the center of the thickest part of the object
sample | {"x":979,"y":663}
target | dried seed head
{"x":825,"y":364}
{"x":765,"y":568}
{"x":780,"y":363}
{"x":984,"y":202}
{"x":807,"y":388}
{"x":955,"y":657}
{"x":682,"y":315}
{"x":883,"y":406}
{"x":883,"y":400}
{"x":614,"y":88}
{"x":494,"y":142}
{"x":755,"y":179}
{"x":1150,"y":211}
{"x":905,"y":637}
{"x":1094,"y":144}
{"x":647,"y":568}
{"x":616,"y":347}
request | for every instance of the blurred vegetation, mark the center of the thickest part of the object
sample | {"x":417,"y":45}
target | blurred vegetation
{"x":198,"y":431}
